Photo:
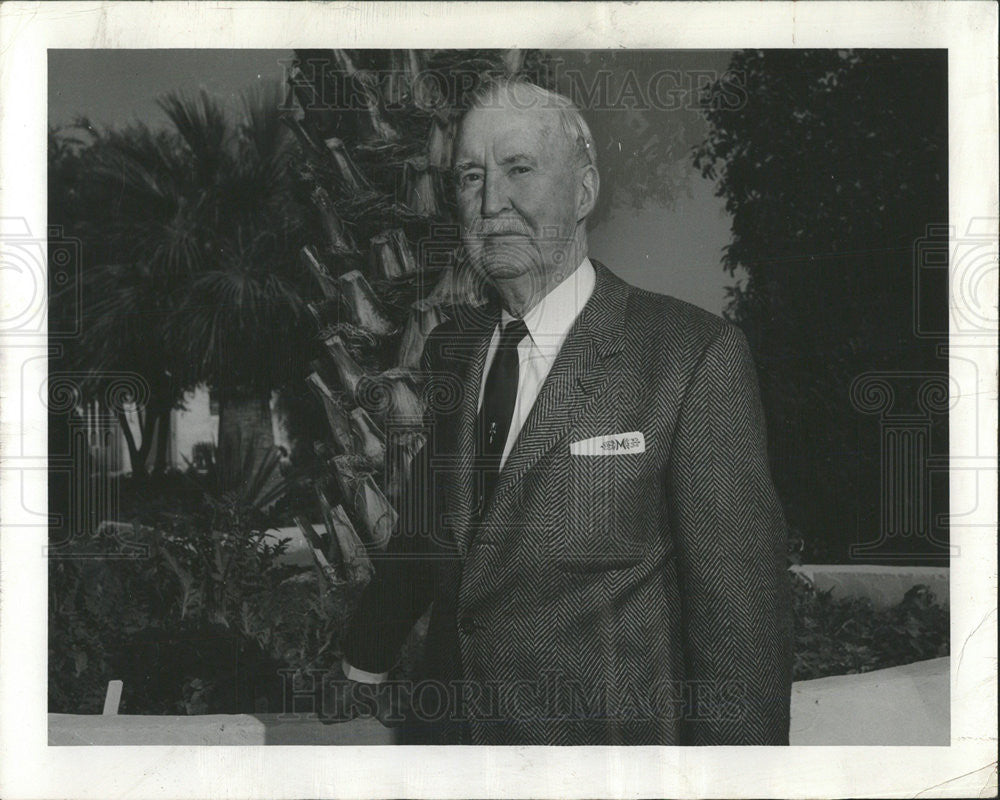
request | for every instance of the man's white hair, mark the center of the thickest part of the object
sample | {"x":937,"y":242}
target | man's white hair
{"x":531,"y":95}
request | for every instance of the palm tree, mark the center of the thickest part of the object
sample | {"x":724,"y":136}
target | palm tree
{"x":195,"y":234}
{"x":239,"y":321}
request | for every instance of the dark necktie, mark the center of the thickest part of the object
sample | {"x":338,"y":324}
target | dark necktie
{"x":499,"y":396}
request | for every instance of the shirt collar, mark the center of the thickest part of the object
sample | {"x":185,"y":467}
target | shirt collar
{"x":550,"y":319}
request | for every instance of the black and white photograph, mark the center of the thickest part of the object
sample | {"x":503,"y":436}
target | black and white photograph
{"x":372,"y":395}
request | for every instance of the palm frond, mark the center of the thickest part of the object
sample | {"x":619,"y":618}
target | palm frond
{"x":238,"y":324}
{"x":202,"y":124}
{"x":200,"y":220}
{"x":262,"y":128}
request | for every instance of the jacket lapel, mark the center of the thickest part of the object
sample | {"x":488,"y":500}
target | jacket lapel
{"x":461,"y":508}
{"x":576,"y":379}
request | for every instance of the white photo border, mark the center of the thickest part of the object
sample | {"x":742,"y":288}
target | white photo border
{"x":30,"y":768}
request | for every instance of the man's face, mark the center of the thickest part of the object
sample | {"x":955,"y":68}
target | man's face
{"x":517,"y":189}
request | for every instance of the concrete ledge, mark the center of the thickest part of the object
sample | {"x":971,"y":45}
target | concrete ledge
{"x":884,"y":586}
{"x":906,"y":705}
{"x":210,"y":729}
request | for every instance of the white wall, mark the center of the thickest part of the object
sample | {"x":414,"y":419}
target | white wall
{"x":197,"y":424}
{"x":188,"y":426}
{"x":676,"y":251}
{"x":191,"y":425}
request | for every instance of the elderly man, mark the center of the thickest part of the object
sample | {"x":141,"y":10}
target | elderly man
{"x":594,"y":525}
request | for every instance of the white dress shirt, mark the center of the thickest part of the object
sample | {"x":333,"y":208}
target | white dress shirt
{"x":548,"y":323}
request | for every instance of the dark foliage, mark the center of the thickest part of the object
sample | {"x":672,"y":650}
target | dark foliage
{"x":848,"y":635}
{"x":187,"y":603}
{"x":834,"y":169}
{"x":127,"y":606}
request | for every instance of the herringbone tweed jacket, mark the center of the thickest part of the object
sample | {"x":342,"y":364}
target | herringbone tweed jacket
{"x":632,"y":598}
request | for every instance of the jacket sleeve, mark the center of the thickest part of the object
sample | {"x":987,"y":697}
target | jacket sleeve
{"x":402,"y":587}
{"x":730,"y":540}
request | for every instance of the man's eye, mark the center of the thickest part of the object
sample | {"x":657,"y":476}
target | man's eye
{"x":470,"y":178}
{"x":520,"y":170}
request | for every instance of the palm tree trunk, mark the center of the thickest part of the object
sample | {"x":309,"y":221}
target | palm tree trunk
{"x":162,"y":442}
{"x":136,"y":459}
{"x":244,"y":425}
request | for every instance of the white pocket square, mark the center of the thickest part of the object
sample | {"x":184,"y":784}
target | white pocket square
{"x":614,"y":444}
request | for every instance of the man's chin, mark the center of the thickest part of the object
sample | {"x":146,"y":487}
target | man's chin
{"x":503,"y":271}
{"x":505,"y":263}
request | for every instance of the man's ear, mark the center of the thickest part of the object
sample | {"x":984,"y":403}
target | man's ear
{"x":588,"y":187}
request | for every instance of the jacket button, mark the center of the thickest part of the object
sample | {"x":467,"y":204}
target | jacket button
{"x":467,"y":625}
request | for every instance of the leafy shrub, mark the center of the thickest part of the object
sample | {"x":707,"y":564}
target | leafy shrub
{"x":190,"y":607}
{"x":844,"y":636}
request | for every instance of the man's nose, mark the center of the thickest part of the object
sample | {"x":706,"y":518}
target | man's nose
{"x":496,"y":199}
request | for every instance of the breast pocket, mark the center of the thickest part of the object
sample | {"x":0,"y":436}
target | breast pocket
{"x":597,"y":530}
